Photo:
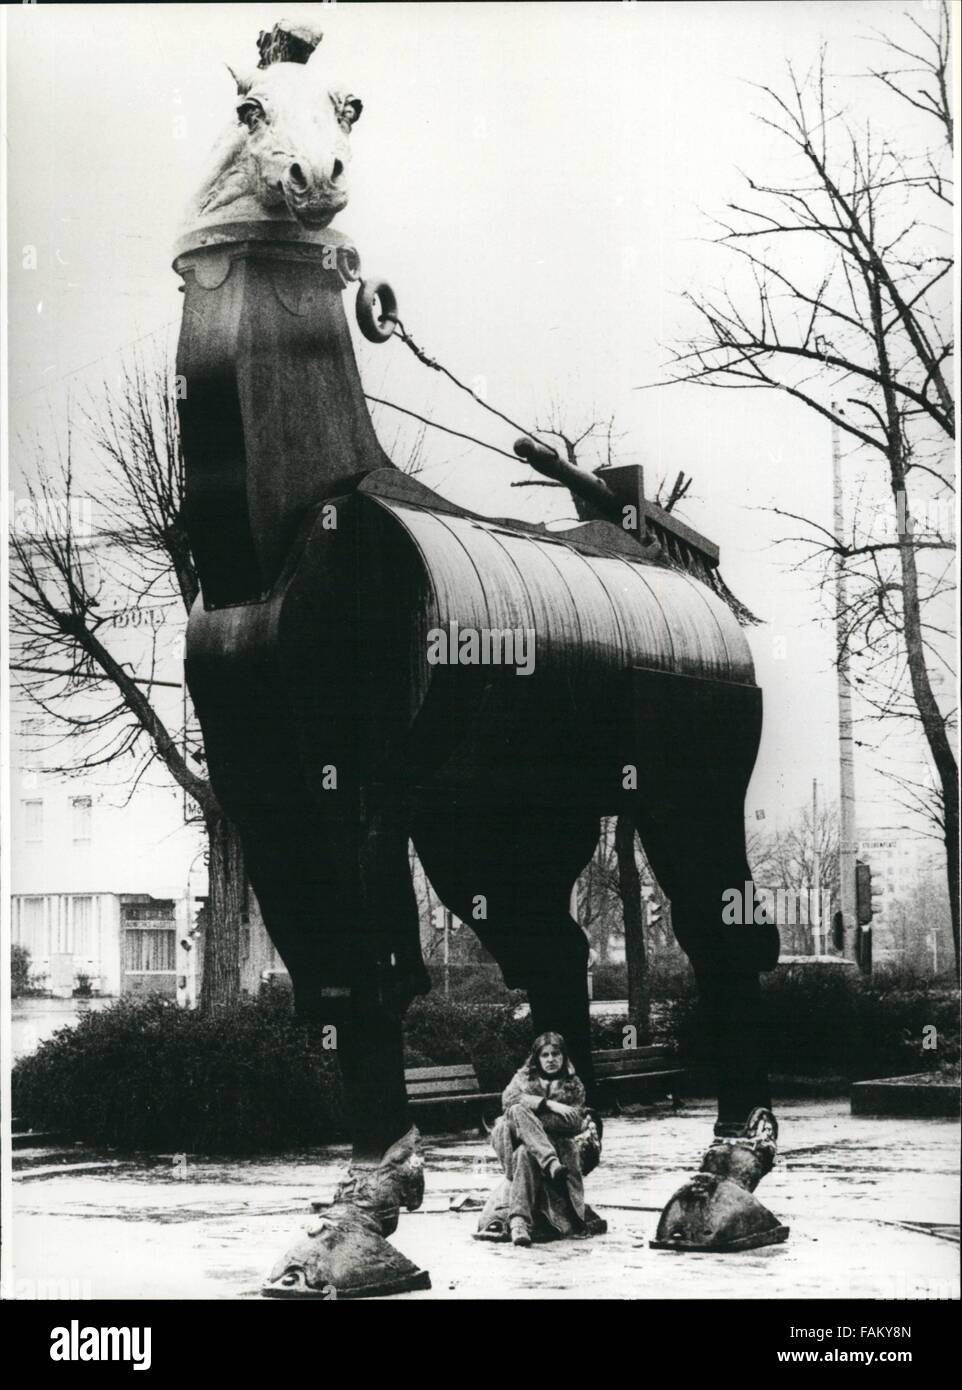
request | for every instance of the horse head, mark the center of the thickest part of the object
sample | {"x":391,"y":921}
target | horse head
{"x":287,"y":152}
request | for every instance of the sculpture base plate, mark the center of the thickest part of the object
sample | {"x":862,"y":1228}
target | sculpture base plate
{"x":775,"y":1236}
{"x":404,"y":1282}
{"x":714,"y":1215}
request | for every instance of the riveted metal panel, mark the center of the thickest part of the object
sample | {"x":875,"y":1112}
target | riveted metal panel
{"x":594,"y":615}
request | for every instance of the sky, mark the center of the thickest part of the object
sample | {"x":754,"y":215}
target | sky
{"x":536,"y":181}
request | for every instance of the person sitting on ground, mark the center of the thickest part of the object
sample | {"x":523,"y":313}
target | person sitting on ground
{"x":545,"y":1139}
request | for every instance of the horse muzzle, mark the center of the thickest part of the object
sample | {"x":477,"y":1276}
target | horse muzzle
{"x":313,"y":201}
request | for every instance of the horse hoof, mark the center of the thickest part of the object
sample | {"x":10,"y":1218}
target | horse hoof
{"x":344,"y":1257}
{"x":345,"y":1253}
{"x":715,"y":1210}
{"x":716,"y":1214}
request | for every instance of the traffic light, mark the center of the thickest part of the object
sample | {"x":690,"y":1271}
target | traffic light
{"x":864,"y":901}
{"x":866,"y":904}
{"x":863,"y":949}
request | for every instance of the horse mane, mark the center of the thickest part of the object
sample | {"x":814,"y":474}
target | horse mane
{"x":225,"y":180}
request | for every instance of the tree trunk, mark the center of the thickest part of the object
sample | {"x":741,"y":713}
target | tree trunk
{"x":933,"y":724}
{"x":929,"y":712}
{"x":220,"y":983}
{"x":636,"y":956}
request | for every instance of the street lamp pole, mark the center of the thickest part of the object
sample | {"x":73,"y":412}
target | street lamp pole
{"x":447,"y":952}
{"x":815,"y":896}
{"x":848,"y":844}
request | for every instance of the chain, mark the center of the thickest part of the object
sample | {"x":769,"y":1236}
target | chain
{"x":422,"y":356}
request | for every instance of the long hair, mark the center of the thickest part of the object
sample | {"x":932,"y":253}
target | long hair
{"x":533,"y":1064}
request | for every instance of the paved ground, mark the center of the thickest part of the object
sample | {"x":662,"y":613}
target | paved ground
{"x":873,"y":1206}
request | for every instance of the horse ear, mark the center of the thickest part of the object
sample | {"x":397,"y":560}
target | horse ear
{"x":243,"y":80}
{"x":348,"y":108}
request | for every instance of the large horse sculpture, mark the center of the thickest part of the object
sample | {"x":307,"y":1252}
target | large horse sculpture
{"x":333,"y":737}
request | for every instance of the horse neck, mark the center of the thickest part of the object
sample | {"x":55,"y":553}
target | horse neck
{"x":273,"y":415}
{"x":225,"y":180}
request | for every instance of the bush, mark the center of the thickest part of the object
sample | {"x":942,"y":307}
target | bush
{"x":438,"y":1032}
{"x":610,"y":981}
{"x":147,"y":1075}
{"x":667,"y":981}
{"x":477,"y":982}
{"x":22,"y":980}
{"x":823,"y":1021}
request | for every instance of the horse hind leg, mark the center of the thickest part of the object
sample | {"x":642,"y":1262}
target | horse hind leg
{"x":691,"y":820}
{"x":716,"y":1209}
{"x":510,"y":877}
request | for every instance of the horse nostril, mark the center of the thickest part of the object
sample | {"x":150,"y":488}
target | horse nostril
{"x":337,"y":171}
{"x":298,"y":178}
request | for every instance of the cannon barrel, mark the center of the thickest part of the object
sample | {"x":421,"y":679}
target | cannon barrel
{"x":584,"y":486}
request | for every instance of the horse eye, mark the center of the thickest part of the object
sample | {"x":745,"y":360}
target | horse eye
{"x":249,"y":113}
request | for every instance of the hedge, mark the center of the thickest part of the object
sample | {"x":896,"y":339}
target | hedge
{"x":146,"y":1075}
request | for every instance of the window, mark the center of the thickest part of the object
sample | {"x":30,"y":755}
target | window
{"x":33,"y":821}
{"x":83,"y":917}
{"x":150,"y":950}
{"x":61,"y":928}
{"x":32,"y":933}
{"x":150,"y":910}
{"x":82,"y":810}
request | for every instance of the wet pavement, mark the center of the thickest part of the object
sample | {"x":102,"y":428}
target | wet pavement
{"x":873,"y":1206}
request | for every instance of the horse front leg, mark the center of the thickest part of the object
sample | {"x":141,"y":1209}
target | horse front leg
{"x":354,"y":967}
{"x":345,"y":1252}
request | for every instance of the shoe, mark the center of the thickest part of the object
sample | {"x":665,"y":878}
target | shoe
{"x":556,"y":1173}
{"x":495,"y":1231}
{"x":520,"y":1231}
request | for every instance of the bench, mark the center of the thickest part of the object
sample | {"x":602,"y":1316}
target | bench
{"x":647,"y":1071}
{"x":443,"y":1087}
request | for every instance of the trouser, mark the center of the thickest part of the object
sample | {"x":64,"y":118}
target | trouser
{"x":525,"y":1150}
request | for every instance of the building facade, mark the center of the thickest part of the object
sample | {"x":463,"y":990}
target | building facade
{"x":106,"y":863}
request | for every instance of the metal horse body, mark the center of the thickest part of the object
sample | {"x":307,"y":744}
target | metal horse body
{"x":332,"y":739}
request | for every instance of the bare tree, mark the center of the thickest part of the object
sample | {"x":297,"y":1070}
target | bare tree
{"x":599,"y":894}
{"x":919,"y":924}
{"x":799,"y":857}
{"x":859,"y":330}
{"x":633,"y":911}
{"x":66,"y":585}
{"x":789,"y":857}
